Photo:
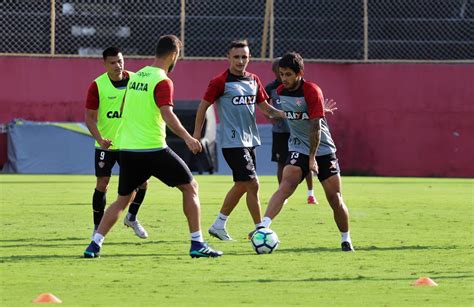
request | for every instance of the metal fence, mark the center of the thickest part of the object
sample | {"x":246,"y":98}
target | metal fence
{"x":321,"y":30}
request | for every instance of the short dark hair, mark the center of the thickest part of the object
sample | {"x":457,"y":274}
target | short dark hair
{"x":241,"y":43}
{"x":111,"y":51}
{"x":276,"y":64}
{"x":167,"y":44}
{"x":293,"y":61}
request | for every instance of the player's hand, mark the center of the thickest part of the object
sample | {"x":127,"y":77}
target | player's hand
{"x":329,"y":106}
{"x":105,"y":143}
{"x":313,"y":165}
{"x":194,"y":145}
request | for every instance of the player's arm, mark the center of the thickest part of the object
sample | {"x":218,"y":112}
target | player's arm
{"x":214,"y":90}
{"x":200,"y":116}
{"x":314,"y":138}
{"x":163,"y":93}
{"x":92,"y":105}
{"x":270,"y":111}
{"x":315,"y":101}
{"x":172,"y":121}
{"x":262,"y":98}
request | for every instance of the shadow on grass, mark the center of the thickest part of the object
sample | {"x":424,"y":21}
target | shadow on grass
{"x":339,"y":279}
{"x":363,"y":248}
{"x":45,"y":182}
{"x":29,"y":258}
{"x":49,"y":204}
{"x":43,"y":240}
{"x":410,"y":247}
{"x":64,"y":242}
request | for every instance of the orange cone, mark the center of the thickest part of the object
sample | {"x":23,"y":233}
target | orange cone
{"x":424,"y":281}
{"x":47,"y":298}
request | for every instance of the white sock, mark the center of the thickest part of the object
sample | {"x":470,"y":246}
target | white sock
{"x":258,"y":225}
{"x":98,"y":239}
{"x":346,"y":237}
{"x":266,"y":222}
{"x":310,"y":192}
{"x":197,"y":236}
{"x":220,"y":222}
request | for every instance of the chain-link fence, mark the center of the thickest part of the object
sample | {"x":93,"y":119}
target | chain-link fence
{"x":334,"y":30}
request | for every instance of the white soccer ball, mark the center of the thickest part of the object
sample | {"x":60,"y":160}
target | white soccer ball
{"x":264,"y":241}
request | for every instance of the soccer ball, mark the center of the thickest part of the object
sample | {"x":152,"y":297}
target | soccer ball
{"x":264,"y":241}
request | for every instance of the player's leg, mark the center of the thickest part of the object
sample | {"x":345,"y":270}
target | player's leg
{"x":309,"y":183}
{"x":137,"y":201}
{"x":332,"y":185}
{"x":104,"y":162}
{"x":111,"y":216}
{"x":130,"y":219}
{"x":252,"y":185}
{"x":280,"y":153}
{"x":191,"y":206}
{"x":192,"y":210}
{"x":133,"y":171}
{"x":296,"y":169}
{"x":291,"y":178}
{"x":113,"y":213}
{"x":253,"y":200}
{"x":172,"y":171}
{"x":232,"y":198}
{"x":242,"y":165}
{"x":99,"y":199}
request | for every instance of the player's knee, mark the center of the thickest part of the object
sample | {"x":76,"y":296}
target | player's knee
{"x":102,"y":183}
{"x":189,"y":188}
{"x":253,"y":185}
{"x":194,"y":186}
{"x":335,"y":200}
{"x":240,"y":186}
{"x":287,"y":187}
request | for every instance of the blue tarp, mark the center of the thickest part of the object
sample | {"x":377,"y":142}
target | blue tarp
{"x":68,"y":148}
{"x":49,"y":148}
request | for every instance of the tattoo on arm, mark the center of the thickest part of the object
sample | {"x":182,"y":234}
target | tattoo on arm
{"x":314,"y":136}
{"x":271,"y":111}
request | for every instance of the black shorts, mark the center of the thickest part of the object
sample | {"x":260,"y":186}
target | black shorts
{"x":327,"y":164}
{"x":138,"y":167}
{"x":242,"y":161}
{"x":298,"y":159}
{"x":280,"y":146}
{"x":105,"y":161}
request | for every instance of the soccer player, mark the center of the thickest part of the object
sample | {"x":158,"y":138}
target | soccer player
{"x":147,"y":110}
{"x":311,"y":147}
{"x":236,"y":93}
{"x":102,"y":117}
{"x":281,"y":134}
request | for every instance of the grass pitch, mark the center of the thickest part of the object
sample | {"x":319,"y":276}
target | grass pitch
{"x":402,"y":228}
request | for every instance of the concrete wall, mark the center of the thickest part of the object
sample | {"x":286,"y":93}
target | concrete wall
{"x":393,"y":119}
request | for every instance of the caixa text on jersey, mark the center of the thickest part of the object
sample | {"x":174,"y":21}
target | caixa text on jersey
{"x":243,"y":100}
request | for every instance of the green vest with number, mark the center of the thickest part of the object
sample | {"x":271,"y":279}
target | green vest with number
{"x":142,"y":127}
{"x":108,"y":114}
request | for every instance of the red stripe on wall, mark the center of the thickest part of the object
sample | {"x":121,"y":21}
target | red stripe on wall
{"x":393,"y":119}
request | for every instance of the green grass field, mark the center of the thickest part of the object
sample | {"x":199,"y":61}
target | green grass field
{"x":402,"y":228}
